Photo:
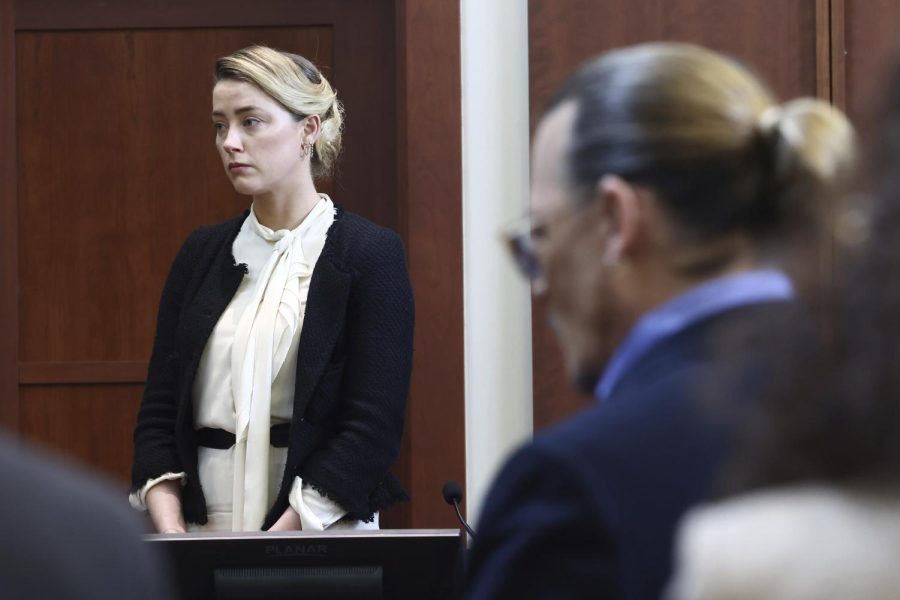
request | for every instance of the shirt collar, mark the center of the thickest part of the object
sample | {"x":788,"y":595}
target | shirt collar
{"x":276,"y":235}
{"x":701,"y":301}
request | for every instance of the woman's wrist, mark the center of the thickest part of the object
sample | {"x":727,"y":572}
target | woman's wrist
{"x":164,"y":505}
{"x":288,"y":521}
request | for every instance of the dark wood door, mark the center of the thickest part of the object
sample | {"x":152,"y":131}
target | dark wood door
{"x":113,"y":164}
{"x":867,"y":46}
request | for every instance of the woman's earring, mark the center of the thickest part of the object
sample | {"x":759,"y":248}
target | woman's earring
{"x":306,"y":149}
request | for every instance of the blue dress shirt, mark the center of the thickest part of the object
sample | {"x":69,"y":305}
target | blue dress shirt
{"x":677,"y":314}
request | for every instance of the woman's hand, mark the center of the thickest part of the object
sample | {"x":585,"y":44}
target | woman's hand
{"x":164,"y":505}
{"x":289,"y":521}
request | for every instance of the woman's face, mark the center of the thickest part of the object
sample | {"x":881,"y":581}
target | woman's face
{"x":258,"y":140}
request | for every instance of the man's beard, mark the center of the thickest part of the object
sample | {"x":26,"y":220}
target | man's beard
{"x":585,"y":379}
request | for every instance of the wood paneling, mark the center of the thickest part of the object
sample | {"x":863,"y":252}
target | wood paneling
{"x":9,"y":244}
{"x":364,"y":74}
{"x":838,"y":58}
{"x":430,"y":156}
{"x":777,"y":39}
{"x":91,"y":424}
{"x":65,"y":372}
{"x":112,"y":180}
{"x":161,"y":14}
{"x":823,"y":49}
{"x":871,"y":42}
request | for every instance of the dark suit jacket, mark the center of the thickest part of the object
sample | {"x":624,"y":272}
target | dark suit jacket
{"x":66,"y":534}
{"x":353,"y":367}
{"x":589,"y":508}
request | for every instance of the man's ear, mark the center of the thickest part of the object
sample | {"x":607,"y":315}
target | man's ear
{"x":623,"y":214}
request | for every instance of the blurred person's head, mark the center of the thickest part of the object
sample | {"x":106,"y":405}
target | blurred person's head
{"x":657,"y":167}
{"x":847,"y":428}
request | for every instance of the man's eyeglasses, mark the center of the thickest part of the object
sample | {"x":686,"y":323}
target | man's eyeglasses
{"x":521,"y":238}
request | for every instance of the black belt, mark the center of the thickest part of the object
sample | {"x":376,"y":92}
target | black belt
{"x":223,"y":440}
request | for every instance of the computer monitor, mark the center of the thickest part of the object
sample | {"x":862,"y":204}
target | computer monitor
{"x":387,"y":563}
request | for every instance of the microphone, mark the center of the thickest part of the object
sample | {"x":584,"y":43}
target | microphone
{"x":453,"y":495}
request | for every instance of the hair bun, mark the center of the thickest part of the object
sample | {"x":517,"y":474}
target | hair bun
{"x":297,"y":84}
{"x":770,"y":119}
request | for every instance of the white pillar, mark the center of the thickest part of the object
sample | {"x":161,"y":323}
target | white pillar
{"x":495,"y":191}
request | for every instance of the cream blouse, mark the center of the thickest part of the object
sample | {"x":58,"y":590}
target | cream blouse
{"x":245,"y":380}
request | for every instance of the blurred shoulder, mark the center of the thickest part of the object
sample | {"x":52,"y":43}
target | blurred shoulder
{"x":69,"y":533}
{"x":820,"y":541}
{"x":78,"y":498}
{"x":601,"y":427}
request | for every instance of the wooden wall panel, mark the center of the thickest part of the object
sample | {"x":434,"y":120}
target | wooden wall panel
{"x":9,"y":240}
{"x":90,"y":423}
{"x":777,"y":39}
{"x":365,"y":78}
{"x":430,"y":176}
{"x":871,"y":31}
{"x":162,"y":14}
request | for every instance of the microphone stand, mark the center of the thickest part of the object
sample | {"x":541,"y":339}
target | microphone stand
{"x":461,"y":519}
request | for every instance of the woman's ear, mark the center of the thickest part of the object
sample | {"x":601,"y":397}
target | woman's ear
{"x":622,"y":210}
{"x":309,"y":129}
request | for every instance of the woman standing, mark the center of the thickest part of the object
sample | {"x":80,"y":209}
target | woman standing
{"x":276,"y":390}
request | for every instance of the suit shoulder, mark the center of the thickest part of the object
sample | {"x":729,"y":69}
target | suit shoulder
{"x":586,"y":427}
{"x":610,"y":431}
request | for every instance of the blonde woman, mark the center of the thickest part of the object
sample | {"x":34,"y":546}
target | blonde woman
{"x":277,"y":385}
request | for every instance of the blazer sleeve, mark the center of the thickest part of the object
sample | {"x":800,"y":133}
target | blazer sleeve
{"x":154,"y":435}
{"x":540,"y":535}
{"x":354,"y":460}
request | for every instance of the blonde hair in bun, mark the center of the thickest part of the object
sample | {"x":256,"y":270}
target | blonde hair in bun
{"x":294,"y":82}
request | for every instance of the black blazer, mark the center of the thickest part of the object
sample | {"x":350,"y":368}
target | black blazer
{"x":589,"y":508}
{"x":353,"y":367}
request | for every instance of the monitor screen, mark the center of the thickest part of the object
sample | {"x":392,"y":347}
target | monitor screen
{"x":399,"y":563}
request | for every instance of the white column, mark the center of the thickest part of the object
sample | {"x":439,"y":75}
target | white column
{"x":495,"y":191}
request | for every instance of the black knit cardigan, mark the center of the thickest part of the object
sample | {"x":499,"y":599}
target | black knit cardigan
{"x":353,"y":367}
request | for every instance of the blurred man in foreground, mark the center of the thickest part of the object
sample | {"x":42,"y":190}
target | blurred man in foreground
{"x":666,"y":183}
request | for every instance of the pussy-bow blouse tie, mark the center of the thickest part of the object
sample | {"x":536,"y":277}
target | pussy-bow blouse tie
{"x":262,"y":340}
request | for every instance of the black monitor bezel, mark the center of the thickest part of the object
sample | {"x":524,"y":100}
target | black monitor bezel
{"x":414,"y":561}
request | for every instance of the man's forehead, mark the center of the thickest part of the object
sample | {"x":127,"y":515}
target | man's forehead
{"x":554,"y":133}
{"x":548,"y":170}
